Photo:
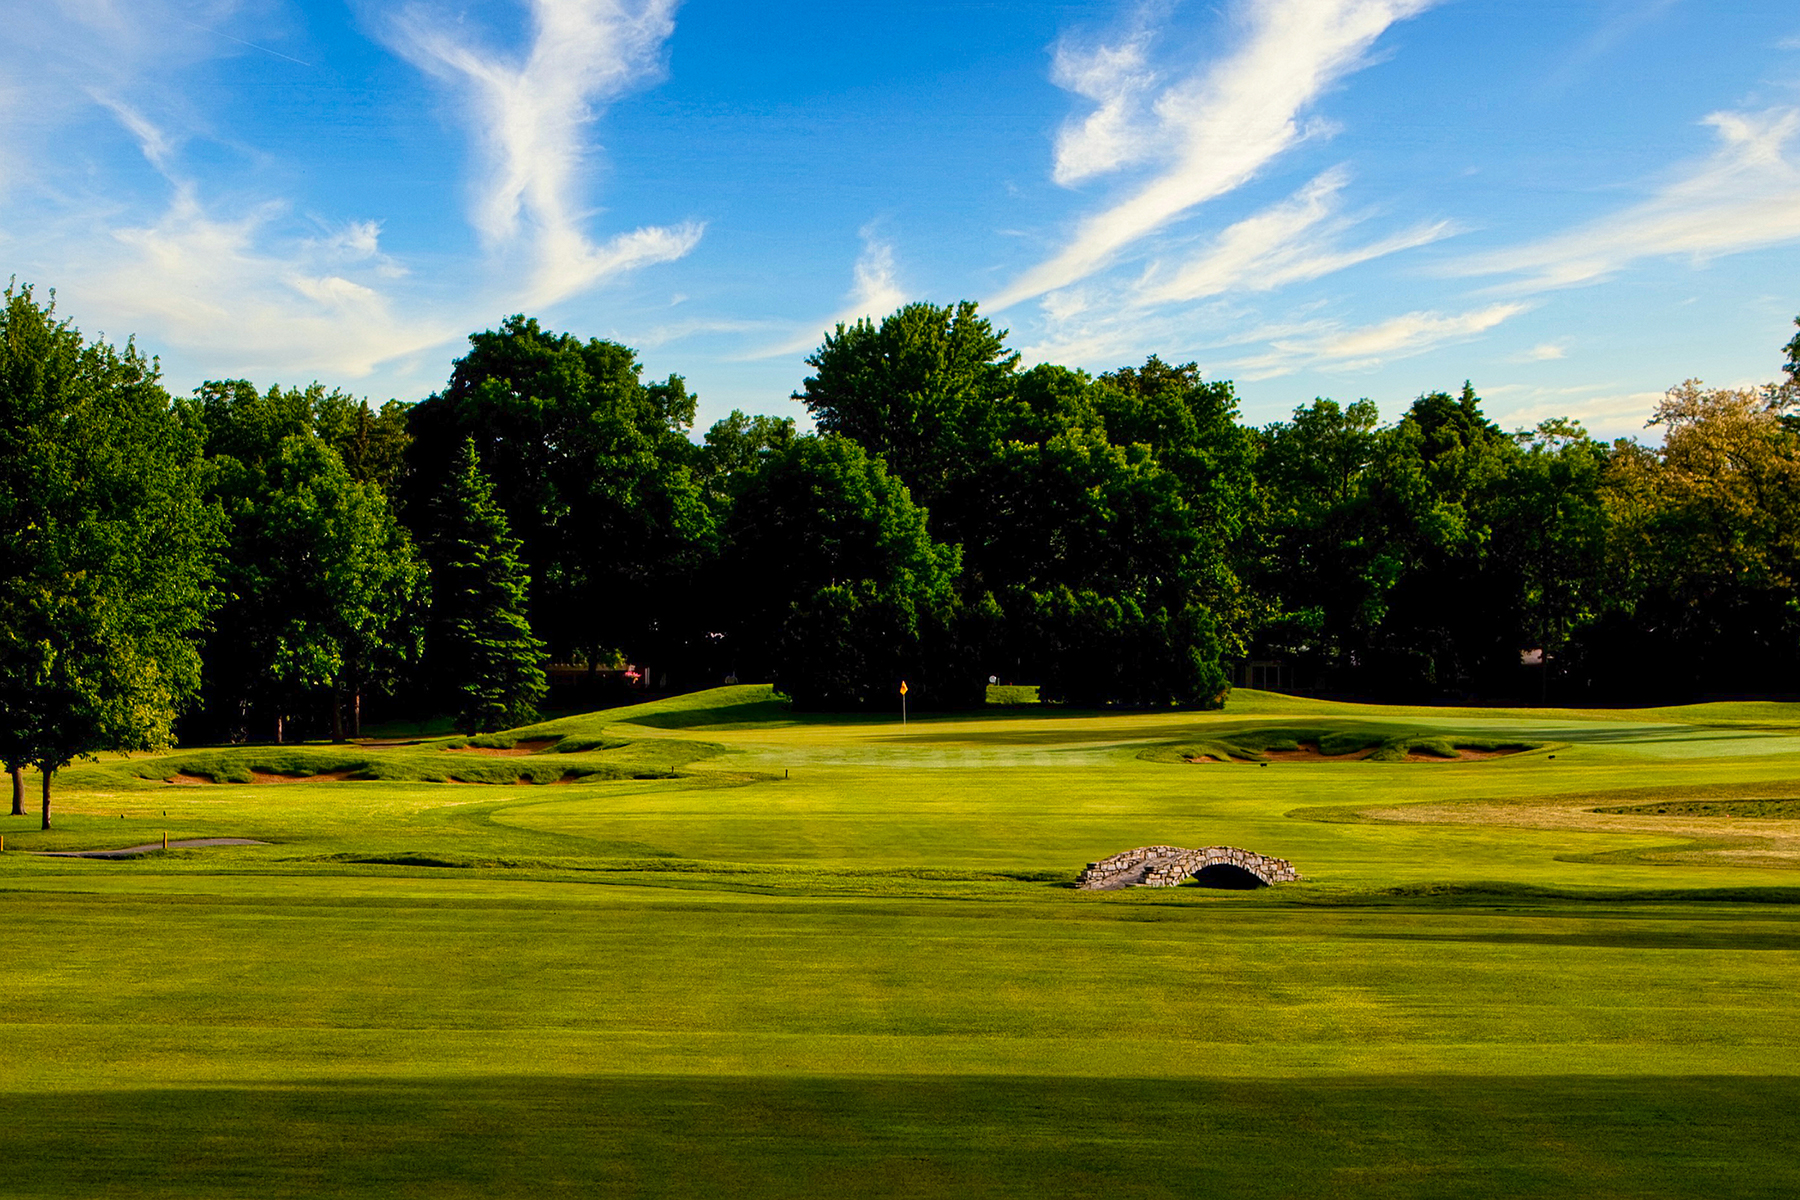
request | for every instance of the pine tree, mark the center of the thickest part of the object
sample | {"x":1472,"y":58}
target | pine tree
{"x":491,"y":666}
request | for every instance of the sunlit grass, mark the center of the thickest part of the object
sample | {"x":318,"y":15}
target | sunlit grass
{"x":764,"y":953}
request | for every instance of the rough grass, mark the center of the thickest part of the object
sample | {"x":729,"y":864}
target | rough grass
{"x":1341,"y":739}
{"x":839,"y":957}
{"x":590,"y":758}
{"x":1784,"y":809}
{"x":1004,"y":695}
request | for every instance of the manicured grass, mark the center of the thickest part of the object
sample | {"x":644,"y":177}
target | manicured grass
{"x":811,"y":956}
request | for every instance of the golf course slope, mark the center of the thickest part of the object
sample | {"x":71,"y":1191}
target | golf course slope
{"x":712,"y":945}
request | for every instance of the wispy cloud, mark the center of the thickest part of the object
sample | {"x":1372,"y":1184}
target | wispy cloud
{"x":876,"y":292}
{"x":1302,"y":238}
{"x":157,"y":147}
{"x":1117,"y":133}
{"x":532,"y":117}
{"x":1213,"y":130}
{"x":228,"y":279}
{"x":1603,"y":409}
{"x":1290,"y":242}
{"x":1615,"y":29}
{"x":231,"y":291}
{"x":1744,"y":197}
{"x":1370,"y":346}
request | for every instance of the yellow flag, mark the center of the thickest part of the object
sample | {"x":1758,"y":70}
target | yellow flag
{"x":903,"y":687}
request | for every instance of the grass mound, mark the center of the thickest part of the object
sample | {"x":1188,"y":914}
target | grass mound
{"x":723,"y":707}
{"x":590,"y":760}
{"x":1344,"y":741}
{"x":1787,"y":809}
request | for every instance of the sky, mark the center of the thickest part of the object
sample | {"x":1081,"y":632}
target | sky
{"x":1573,"y":205}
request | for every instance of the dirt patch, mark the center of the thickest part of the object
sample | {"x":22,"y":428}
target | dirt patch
{"x":1464,"y":754}
{"x":518,"y":749}
{"x":322,"y":776}
{"x":186,"y":780}
{"x":1310,"y":752}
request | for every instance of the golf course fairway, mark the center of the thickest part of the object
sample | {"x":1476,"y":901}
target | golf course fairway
{"x":709,"y":946}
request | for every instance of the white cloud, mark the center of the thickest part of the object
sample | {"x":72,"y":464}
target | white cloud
{"x":1214,"y":130}
{"x":876,"y":293}
{"x":1744,"y":197}
{"x":1370,"y":346}
{"x":1286,"y":243}
{"x":1298,"y":239}
{"x":532,"y":117}
{"x":230,"y":291}
{"x":1118,"y":79}
{"x":1608,"y":415}
{"x":158,"y":148}
{"x":1544,"y":352}
{"x":229,"y":281}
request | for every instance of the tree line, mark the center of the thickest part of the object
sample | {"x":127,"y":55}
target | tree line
{"x":261,"y":562}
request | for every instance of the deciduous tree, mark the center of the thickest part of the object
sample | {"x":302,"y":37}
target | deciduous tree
{"x":106,"y":573}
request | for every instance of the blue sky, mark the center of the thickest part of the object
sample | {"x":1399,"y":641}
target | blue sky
{"x":1574,"y":205}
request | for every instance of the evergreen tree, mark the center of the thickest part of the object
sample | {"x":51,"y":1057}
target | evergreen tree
{"x":491,"y":665}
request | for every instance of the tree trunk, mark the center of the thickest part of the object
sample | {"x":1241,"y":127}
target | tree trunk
{"x":18,"y":774}
{"x":47,"y":772}
{"x":278,"y":731}
{"x":337,"y":713}
{"x":356,"y":713}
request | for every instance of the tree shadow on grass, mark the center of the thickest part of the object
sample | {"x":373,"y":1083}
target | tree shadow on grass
{"x":1376,"y":1136}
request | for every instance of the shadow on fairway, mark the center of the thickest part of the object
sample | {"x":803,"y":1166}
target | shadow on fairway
{"x":1403,"y":1136}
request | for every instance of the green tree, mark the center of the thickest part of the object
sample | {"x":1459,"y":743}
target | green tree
{"x":922,"y":391}
{"x":480,"y":643}
{"x":107,"y":571}
{"x":325,"y":587}
{"x":371,"y":441}
{"x":1190,"y":425}
{"x":833,"y":586}
{"x":1318,"y":546}
{"x":594,"y":471}
{"x":1095,"y":557}
{"x":735,"y":448}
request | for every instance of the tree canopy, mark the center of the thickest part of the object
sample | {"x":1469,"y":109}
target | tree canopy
{"x":106,"y":575}
{"x":1121,"y":538}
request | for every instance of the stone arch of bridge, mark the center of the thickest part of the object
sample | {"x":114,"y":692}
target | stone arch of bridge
{"x":1166,"y":866}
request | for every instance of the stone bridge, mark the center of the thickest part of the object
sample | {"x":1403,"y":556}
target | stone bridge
{"x":1166,"y":866}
